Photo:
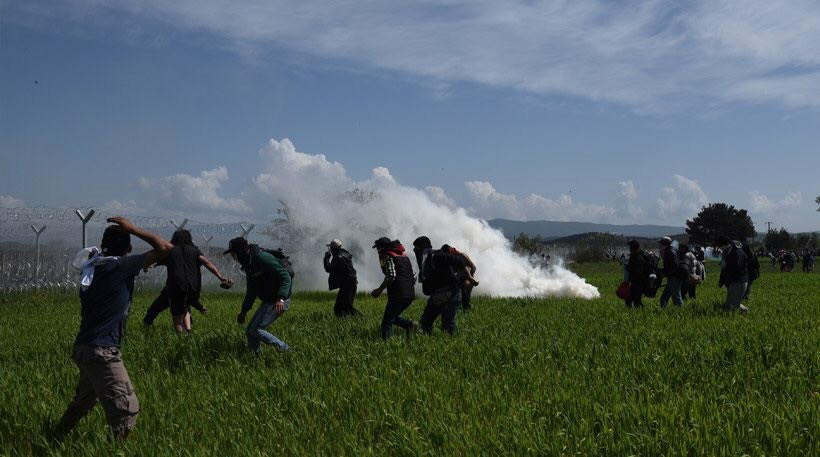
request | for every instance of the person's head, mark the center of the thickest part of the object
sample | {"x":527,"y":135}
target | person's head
{"x":335,"y":245}
{"x":239,"y":249}
{"x":421,"y":243}
{"x":115,"y":241}
{"x":722,"y":240}
{"x":382,"y":243}
{"x":665,"y":242}
{"x":634,"y":246}
{"x":182,"y":237}
{"x":683,"y":248}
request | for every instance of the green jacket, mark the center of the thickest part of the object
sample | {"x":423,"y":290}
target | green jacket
{"x":267,"y":280}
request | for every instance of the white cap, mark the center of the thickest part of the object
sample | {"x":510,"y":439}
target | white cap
{"x":335,"y":244}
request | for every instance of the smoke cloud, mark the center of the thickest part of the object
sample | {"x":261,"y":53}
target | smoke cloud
{"x":323,"y":203}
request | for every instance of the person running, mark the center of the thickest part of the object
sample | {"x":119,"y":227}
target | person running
{"x":466,"y":285}
{"x":399,"y":281}
{"x":734,"y":273}
{"x":339,"y":264}
{"x":439,"y":274}
{"x":268,"y":280}
{"x":183,"y":285}
{"x":669,"y":255}
{"x":637,"y":270}
{"x":105,"y":298}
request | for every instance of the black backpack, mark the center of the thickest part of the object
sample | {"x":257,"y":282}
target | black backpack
{"x":652,"y":285}
{"x":428,"y":270}
{"x":282,"y":258}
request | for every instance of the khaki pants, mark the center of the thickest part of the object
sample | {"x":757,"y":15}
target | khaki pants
{"x":102,"y":377}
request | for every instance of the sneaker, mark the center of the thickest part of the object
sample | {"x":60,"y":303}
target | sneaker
{"x":743,"y":309}
{"x":413,"y":328}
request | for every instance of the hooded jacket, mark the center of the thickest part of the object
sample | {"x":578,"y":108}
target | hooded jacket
{"x":340,"y":267}
{"x":734,"y":264}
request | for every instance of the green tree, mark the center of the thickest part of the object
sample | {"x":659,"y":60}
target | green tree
{"x":527,"y":244}
{"x":778,"y":239}
{"x":719,"y":219}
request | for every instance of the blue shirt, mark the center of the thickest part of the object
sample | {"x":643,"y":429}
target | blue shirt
{"x":105,"y":304}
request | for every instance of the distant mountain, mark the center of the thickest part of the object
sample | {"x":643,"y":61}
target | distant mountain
{"x":550,"y":230}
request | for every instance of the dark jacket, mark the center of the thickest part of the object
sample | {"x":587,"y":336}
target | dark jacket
{"x":340,"y":267}
{"x":670,"y":262}
{"x":638,"y":268}
{"x":734,"y":265}
{"x":403,"y":286}
{"x":752,"y":264}
{"x":439,"y":270}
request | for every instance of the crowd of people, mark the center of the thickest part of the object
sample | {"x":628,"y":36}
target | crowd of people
{"x":787,"y":260}
{"x":684,"y":270}
{"x":446,"y":276}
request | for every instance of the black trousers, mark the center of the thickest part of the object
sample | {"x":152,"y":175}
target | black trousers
{"x":635,"y":295}
{"x":466,"y":292}
{"x":160,"y":304}
{"x":344,"y":301}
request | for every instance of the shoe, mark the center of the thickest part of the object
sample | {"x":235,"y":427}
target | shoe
{"x":743,"y":309}
{"x":413,"y":328}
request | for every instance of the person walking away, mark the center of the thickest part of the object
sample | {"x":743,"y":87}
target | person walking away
{"x":439,"y":274}
{"x":184,"y":281}
{"x":107,"y":287}
{"x":267,"y":280}
{"x":338,"y":263}
{"x":466,"y":285}
{"x":734,"y":273}
{"x":753,"y":266}
{"x":687,"y":270}
{"x":399,"y":281}
{"x":669,"y":255}
{"x":637,"y":270}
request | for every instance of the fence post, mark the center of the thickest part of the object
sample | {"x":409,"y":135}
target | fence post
{"x":208,"y":243}
{"x":246,"y":230}
{"x":37,"y":234}
{"x":84,"y":220}
{"x":181,"y":225}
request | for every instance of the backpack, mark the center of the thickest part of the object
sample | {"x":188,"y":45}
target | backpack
{"x":685,"y":268}
{"x":653,"y":274}
{"x":282,"y":258}
{"x":427,"y":269}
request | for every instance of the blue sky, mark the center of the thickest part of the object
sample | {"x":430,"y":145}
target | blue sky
{"x":635,"y":113}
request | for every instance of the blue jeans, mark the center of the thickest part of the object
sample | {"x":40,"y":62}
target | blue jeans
{"x":261,"y":320}
{"x":446,"y":304}
{"x":672,"y":290}
{"x":392,"y":315}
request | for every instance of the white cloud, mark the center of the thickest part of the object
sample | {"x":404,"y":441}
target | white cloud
{"x":760,"y":203}
{"x":490,"y":203}
{"x":625,"y":206}
{"x":190,"y":194}
{"x":682,"y":201}
{"x":564,"y":208}
{"x":440,"y":197}
{"x":651,"y":55}
{"x":7,"y":201}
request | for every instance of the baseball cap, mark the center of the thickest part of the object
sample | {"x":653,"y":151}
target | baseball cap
{"x":383,"y":241}
{"x":237,"y":244}
{"x":335,"y":244}
{"x":665,"y":240}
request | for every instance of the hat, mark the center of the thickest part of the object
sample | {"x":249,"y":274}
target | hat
{"x":335,"y":244}
{"x":381,"y":242}
{"x":422,"y":242}
{"x":236,"y":245}
{"x":665,"y":241}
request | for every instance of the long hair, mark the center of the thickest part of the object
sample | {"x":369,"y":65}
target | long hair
{"x":182,"y":237}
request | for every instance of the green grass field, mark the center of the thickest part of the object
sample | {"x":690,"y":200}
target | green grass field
{"x":552,"y":376}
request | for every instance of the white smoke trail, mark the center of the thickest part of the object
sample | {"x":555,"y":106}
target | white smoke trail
{"x":324,"y":203}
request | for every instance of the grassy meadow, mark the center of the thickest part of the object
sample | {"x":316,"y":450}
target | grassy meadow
{"x":522,"y":376}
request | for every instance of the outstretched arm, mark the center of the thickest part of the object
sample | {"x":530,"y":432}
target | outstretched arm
{"x":211,"y":267}
{"x":161,"y":247}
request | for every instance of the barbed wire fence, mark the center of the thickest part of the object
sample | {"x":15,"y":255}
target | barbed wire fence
{"x":37,"y":244}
